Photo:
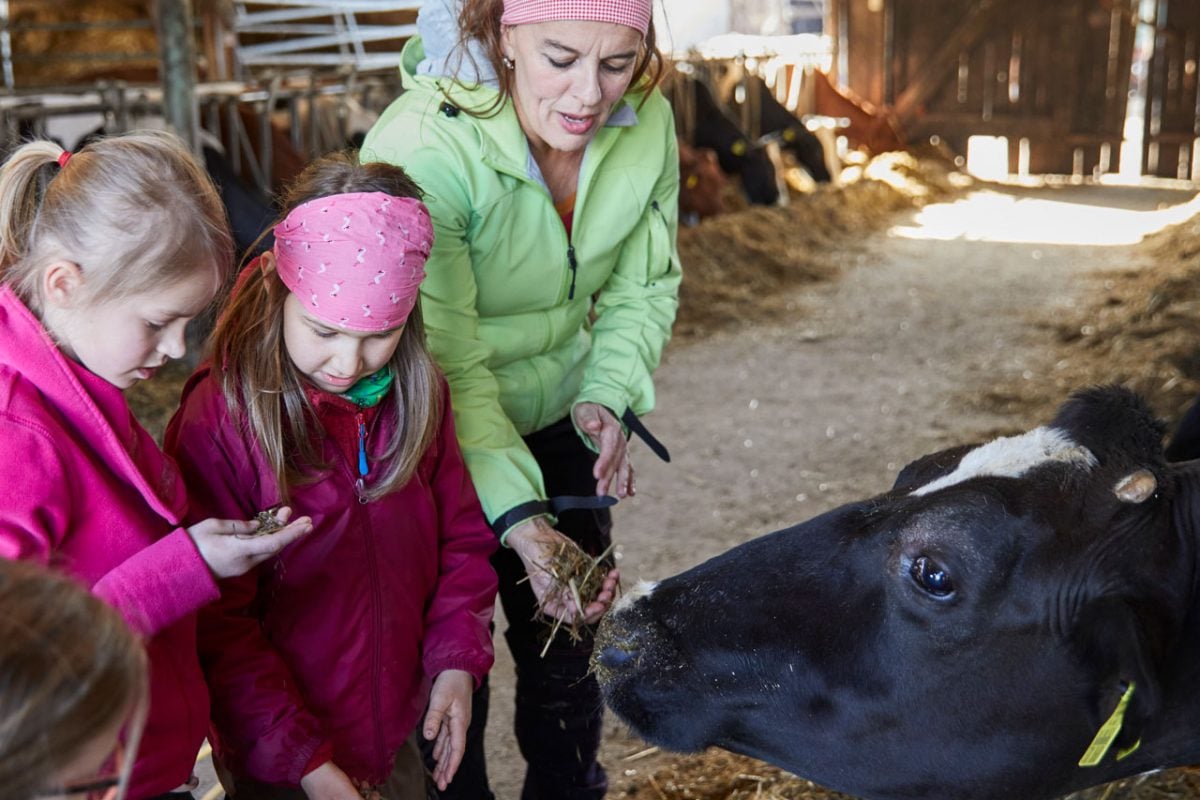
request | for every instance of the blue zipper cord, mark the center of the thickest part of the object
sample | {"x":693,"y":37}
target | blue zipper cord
{"x":362,"y":445}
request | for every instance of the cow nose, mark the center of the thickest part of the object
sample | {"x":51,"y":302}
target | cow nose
{"x":617,"y":656}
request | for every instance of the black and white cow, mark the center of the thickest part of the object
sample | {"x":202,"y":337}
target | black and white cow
{"x":972,"y":633}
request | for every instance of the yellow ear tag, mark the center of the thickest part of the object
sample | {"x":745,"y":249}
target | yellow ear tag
{"x":738,"y":148}
{"x":1108,"y":732}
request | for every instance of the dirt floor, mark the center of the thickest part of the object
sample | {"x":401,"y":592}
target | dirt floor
{"x":822,"y":346}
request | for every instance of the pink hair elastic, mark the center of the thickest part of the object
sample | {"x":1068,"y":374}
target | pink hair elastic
{"x":63,"y":158}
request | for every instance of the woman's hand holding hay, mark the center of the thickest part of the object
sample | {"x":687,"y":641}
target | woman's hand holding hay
{"x":570,"y":586}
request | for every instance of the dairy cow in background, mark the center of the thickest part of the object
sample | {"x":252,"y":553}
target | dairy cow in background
{"x":1019,"y":619}
{"x":772,"y":120}
{"x":701,"y":184}
{"x":708,"y":125}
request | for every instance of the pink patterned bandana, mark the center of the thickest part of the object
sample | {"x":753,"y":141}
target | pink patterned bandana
{"x":355,"y":260}
{"x":631,"y":13}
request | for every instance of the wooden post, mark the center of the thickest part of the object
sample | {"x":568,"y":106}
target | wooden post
{"x":173,"y":19}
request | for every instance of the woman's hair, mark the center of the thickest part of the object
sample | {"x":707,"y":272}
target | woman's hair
{"x":70,"y":670}
{"x":134,"y":211}
{"x":480,"y":20}
{"x":262,"y":386}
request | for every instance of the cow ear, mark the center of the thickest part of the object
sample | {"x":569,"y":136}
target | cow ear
{"x":930,"y":468}
{"x":1116,"y":643}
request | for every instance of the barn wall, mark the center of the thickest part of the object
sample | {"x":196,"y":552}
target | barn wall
{"x":1055,"y":74}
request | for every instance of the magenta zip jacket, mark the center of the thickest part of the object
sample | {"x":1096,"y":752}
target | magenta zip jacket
{"x":330,"y":646}
{"x":85,"y":489}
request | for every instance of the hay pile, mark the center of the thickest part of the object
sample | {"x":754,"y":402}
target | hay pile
{"x":131,"y":52}
{"x":719,"y":775}
{"x":1142,"y":330}
{"x":736,"y":265}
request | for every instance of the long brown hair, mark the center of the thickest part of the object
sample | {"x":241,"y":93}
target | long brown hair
{"x":262,"y":386}
{"x":70,"y":669}
{"x":480,"y":20}
{"x":134,"y":211}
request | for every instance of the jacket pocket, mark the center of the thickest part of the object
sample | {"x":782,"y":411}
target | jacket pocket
{"x":658,"y":264}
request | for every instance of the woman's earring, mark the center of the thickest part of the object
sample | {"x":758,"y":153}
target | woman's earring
{"x":508,"y":62}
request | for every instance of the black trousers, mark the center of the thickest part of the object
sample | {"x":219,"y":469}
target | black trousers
{"x":557,"y":720}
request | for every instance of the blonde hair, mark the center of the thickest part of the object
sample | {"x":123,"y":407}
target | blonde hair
{"x":265,"y":391}
{"x":135,"y":212}
{"x":69,"y":670}
{"x":480,"y":20}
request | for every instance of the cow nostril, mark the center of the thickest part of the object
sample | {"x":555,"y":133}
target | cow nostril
{"x":616,"y":657}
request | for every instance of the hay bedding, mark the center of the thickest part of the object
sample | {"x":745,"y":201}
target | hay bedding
{"x":736,"y":265}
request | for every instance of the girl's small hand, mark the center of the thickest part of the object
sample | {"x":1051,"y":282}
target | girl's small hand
{"x":228,"y":554}
{"x":328,"y":782}
{"x":446,"y":722}
{"x":612,"y":470}
{"x":536,"y":542}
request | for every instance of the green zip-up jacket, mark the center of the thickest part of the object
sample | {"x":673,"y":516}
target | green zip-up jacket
{"x":506,"y":297}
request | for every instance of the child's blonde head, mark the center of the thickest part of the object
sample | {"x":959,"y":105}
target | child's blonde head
{"x":135,"y":212}
{"x":265,"y":389}
{"x":70,"y":669}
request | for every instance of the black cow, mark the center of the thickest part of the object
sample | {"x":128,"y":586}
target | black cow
{"x":737,"y":155}
{"x":776,"y":122}
{"x":971,"y":633}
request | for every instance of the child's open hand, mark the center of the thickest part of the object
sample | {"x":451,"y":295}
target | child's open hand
{"x":228,"y":548}
{"x":446,"y":722}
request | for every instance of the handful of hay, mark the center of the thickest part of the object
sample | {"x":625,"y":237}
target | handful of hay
{"x":579,"y":577}
{"x":267,"y":522}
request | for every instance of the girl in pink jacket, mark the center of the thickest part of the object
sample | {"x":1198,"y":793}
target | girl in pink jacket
{"x":104,"y":257}
{"x":321,"y":395}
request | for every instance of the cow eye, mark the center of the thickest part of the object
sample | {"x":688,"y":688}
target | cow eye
{"x":931,"y":577}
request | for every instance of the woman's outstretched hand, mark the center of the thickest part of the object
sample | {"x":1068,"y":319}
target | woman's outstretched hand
{"x":536,"y":542}
{"x":612,"y":470}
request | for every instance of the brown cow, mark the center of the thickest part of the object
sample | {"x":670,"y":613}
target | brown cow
{"x":701,"y":183}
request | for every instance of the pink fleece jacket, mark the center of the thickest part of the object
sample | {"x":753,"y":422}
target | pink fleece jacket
{"x":328,"y":648}
{"x":83,"y":487}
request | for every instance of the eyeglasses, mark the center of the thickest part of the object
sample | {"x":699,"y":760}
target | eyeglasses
{"x":101,"y":787}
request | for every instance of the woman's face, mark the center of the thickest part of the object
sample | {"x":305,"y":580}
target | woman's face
{"x":567,"y":76}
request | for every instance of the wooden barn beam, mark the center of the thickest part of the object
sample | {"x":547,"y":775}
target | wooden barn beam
{"x":938,"y":69}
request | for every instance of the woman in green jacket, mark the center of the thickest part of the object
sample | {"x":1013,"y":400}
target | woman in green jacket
{"x":550,"y":168}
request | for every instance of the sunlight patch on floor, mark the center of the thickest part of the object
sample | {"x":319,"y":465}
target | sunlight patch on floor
{"x":994,"y":216}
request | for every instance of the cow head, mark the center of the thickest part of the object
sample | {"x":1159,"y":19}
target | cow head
{"x":966,"y":634}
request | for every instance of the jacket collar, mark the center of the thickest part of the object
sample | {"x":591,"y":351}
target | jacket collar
{"x":98,"y":410}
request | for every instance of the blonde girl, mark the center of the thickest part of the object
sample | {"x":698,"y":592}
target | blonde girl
{"x":72,"y":675}
{"x":105,"y":255}
{"x":321,"y":394}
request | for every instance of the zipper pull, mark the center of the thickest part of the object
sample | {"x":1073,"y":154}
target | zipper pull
{"x":362,"y":445}
{"x":574,"y":265}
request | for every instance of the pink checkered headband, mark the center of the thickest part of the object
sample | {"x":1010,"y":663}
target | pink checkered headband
{"x":355,"y":260}
{"x":631,"y":13}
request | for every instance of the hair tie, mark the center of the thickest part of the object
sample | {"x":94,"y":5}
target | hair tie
{"x":63,"y":158}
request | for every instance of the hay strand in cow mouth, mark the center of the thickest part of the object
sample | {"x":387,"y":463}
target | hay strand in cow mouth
{"x":577,"y":575}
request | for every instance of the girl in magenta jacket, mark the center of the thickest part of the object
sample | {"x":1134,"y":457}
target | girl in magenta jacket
{"x":321,"y":395}
{"x":104,"y":257}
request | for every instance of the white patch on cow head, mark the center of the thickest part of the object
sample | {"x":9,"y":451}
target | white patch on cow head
{"x":1013,"y":456}
{"x":642,"y":589}
{"x":1136,"y":487}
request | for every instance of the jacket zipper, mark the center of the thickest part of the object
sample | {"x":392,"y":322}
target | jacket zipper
{"x":574,"y":266}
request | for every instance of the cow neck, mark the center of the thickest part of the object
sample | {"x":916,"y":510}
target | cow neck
{"x":1185,"y":510}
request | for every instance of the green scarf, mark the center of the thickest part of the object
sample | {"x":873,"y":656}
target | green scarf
{"x":371,"y":389}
